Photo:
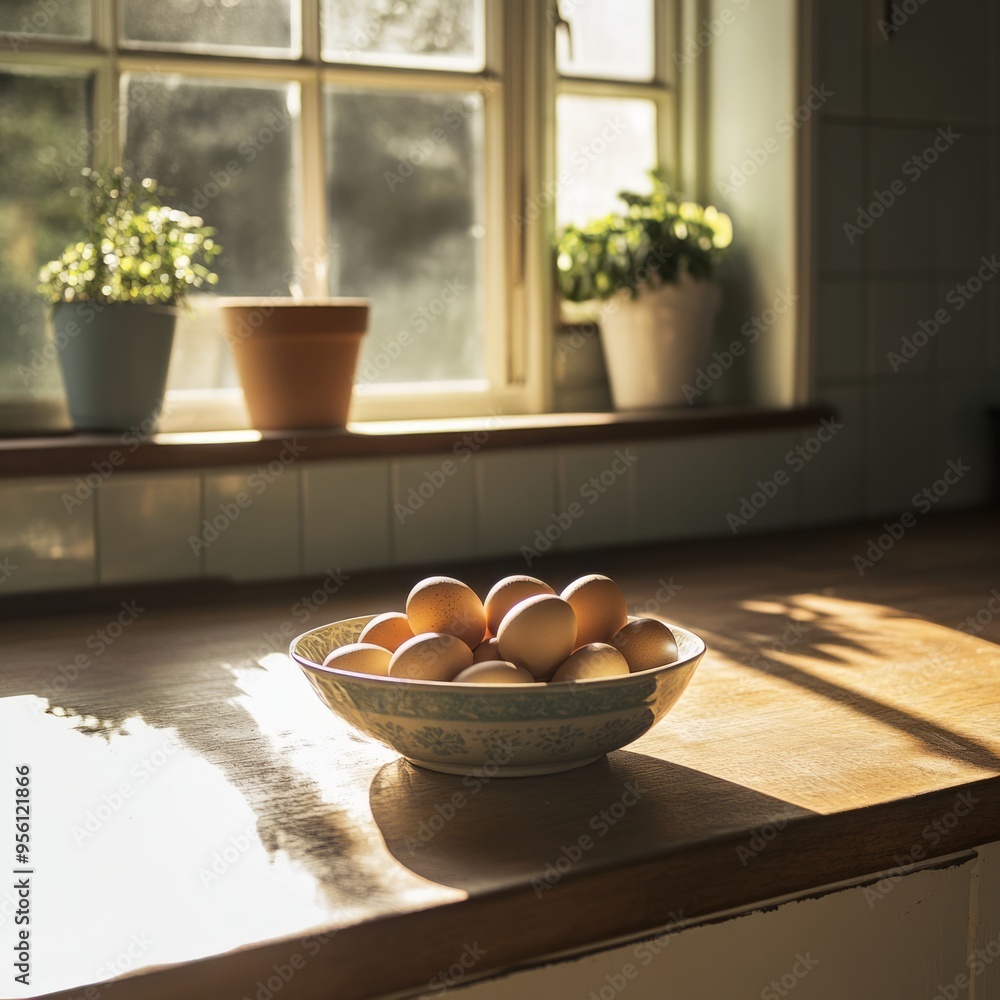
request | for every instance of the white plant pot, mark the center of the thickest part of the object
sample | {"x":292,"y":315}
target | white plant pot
{"x":655,"y":344}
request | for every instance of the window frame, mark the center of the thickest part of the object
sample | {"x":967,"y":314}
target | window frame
{"x":520,"y":86}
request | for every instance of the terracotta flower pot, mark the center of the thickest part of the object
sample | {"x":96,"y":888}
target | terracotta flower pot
{"x":296,"y":358}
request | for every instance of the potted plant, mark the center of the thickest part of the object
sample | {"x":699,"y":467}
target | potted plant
{"x":115,"y":294}
{"x":651,"y":268}
{"x":296,"y":358}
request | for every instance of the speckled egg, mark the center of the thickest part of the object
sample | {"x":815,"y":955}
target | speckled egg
{"x":441,"y":604}
{"x":508,"y":592}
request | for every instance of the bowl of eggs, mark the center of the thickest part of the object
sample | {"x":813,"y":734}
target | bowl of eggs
{"x":525,"y":682}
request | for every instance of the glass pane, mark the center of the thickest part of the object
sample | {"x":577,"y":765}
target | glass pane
{"x":225,"y":152}
{"x":214,"y":25}
{"x":443,"y":34}
{"x":604,"y":145}
{"x":24,"y":19}
{"x":612,"y":39}
{"x":404,"y":176}
{"x":43,"y":146}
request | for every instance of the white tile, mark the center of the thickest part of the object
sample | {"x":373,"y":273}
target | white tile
{"x":963,"y":342}
{"x":595,"y":494}
{"x":963,"y":434}
{"x":832,"y":483}
{"x":433,"y":513}
{"x":962,"y":179}
{"x":899,"y":238}
{"x":841,"y":329}
{"x":516,"y":498}
{"x":898,"y":443}
{"x":935,"y":65}
{"x":47,"y":533}
{"x":841,"y":191}
{"x":250,"y":526}
{"x":346,"y":512}
{"x":696,"y":487}
{"x":144,"y":523}
{"x":901,"y":320}
{"x":841,"y":51}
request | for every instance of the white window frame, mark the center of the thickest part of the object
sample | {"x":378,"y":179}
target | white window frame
{"x":520,"y":85}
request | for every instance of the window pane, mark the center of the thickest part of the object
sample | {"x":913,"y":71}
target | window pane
{"x":61,"y":18}
{"x":604,"y":145}
{"x":611,"y":39}
{"x":43,"y":146}
{"x":444,"y":34}
{"x":213,"y":25}
{"x":225,"y":152}
{"x":404,"y":176}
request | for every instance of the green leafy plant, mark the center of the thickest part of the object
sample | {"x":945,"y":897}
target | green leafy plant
{"x":658,"y":236}
{"x":133,"y":248}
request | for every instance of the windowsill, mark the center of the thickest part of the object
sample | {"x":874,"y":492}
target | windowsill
{"x":73,"y":454}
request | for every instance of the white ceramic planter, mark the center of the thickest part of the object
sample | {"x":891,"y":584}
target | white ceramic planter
{"x":654,"y":344}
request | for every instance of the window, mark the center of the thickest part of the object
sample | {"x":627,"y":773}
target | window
{"x":397,"y":149}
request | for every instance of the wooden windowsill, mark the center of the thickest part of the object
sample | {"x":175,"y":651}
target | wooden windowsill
{"x":73,"y":454}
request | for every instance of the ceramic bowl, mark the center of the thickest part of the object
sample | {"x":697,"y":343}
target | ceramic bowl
{"x":497,"y":730}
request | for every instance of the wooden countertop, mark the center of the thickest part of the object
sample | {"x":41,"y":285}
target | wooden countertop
{"x":200,"y":817}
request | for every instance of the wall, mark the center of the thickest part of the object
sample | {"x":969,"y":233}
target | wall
{"x":873,"y":289}
{"x":876,"y":283}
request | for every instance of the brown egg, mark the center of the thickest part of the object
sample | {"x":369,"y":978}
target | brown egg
{"x":389,"y":631}
{"x":495,"y":672}
{"x":646,"y":643}
{"x":431,"y":656}
{"x":596,"y":659}
{"x":538,"y":634}
{"x":441,"y":604}
{"x":600,"y":608}
{"x":488,"y":649}
{"x":360,"y":658}
{"x":508,"y":592}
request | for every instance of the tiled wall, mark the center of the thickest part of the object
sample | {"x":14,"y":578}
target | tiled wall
{"x":891,"y":100}
{"x":314,"y":517}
